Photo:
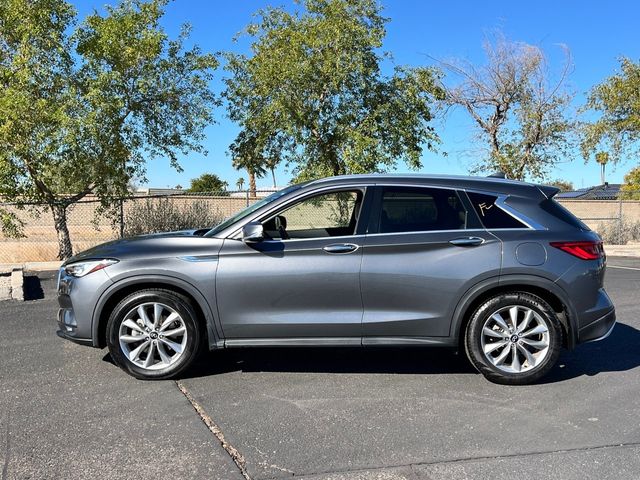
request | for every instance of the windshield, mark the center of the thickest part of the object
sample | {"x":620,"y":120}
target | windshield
{"x":250,"y":209}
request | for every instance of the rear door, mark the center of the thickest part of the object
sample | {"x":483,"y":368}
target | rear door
{"x":424,"y":249}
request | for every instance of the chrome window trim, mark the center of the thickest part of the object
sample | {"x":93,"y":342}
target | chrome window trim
{"x":500,"y":203}
{"x":424,"y":232}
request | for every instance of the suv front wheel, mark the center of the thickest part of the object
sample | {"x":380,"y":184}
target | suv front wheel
{"x":153,"y":334}
{"x":514,"y":338}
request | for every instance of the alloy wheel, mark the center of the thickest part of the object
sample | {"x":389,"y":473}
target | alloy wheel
{"x":515,"y":339}
{"x":152,"y":336}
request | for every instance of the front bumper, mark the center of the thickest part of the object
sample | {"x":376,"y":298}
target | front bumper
{"x":77,"y":298}
{"x":81,"y":341}
{"x":598,"y":329}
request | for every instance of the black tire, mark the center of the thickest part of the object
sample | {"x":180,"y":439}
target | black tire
{"x":174,"y":301}
{"x":475,"y":336}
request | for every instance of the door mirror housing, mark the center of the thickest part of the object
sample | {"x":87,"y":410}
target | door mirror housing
{"x":252,"y":232}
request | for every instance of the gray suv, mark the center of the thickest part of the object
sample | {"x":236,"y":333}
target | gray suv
{"x":493,"y":266}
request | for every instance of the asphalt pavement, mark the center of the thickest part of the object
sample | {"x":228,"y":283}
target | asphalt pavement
{"x":67,"y":412}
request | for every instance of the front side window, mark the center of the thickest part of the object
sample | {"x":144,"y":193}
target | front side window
{"x":250,"y":209}
{"x":327,"y":215}
{"x":409,"y":209}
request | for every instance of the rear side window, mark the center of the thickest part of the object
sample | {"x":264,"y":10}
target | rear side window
{"x":561,"y":213}
{"x":490,"y":214}
{"x":409,"y":209}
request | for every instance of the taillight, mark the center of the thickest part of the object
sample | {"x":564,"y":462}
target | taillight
{"x":584,"y":250}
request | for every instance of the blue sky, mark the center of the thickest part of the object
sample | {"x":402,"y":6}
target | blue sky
{"x":596,"y":33}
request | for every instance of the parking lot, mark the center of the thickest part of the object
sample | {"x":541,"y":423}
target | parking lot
{"x":67,"y":412}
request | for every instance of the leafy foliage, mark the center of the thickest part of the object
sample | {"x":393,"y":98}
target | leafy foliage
{"x":208,"y":182}
{"x":630,"y":190}
{"x":165,"y":215}
{"x":83,"y":107}
{"x":312,"y":94}
{"x":10,"y":225}
{"x":617,"y":101}
{"x":563,"y":185}
{"x":521,"y":113}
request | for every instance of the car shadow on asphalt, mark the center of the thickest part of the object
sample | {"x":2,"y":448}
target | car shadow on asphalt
{"x":619,"y":352}
{"x":332,"y":360}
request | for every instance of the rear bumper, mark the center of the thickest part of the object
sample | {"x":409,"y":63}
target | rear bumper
{"x":598,"y":329}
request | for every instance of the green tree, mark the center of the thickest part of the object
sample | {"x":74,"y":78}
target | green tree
{"x":83,"y":107}
{"x":617,"y":103}
{"x":563,"y":185}
{"x":631,"y":186}
{"x":240,"y":183}
{"x":208,"y":182}
{"x":312,"y":94}
{"x":521,"y":114}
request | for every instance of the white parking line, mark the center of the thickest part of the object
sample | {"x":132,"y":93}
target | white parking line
{"x":624,"y":268}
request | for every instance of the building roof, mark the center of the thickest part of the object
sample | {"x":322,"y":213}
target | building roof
{"x":608,"y":191}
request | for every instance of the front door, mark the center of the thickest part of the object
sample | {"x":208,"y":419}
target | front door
{"x":302,"y":281}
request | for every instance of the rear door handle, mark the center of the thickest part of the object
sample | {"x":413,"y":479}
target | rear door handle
{"x":340,"y":248}
{"x":467,"y":241}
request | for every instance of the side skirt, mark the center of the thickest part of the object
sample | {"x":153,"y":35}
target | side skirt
{"x":341,"y":342}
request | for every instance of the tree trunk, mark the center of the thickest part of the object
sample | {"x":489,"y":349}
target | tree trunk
{"x":252,"y":183}
{"x":65,"y":249}
{"x":273,"y":176}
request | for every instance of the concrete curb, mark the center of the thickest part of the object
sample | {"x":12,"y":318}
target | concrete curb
{"x":17,"y":284}
{"x":41,"y":266}
{"x":632,"y":250}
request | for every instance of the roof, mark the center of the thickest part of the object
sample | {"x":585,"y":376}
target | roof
{"x":490,"y":184}
{"x":608,"y":191}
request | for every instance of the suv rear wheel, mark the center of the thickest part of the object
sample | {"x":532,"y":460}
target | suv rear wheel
{"x":514,"y":338}
{"x":153,"y":334}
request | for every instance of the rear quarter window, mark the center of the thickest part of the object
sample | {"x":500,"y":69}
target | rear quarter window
{"x":491,"y":215}
{"x":561,"y":213}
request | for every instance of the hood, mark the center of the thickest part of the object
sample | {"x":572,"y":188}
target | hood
{"x":155,"y":245}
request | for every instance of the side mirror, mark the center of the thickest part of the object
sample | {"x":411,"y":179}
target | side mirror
{"x":252,"y":232}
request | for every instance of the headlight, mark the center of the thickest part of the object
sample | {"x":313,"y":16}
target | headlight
{"x":80,"y":269}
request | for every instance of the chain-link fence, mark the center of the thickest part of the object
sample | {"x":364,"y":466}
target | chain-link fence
{"x":617,"y":220}
{"x":89,"y":225}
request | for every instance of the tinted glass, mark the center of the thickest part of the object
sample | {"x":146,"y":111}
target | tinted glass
{"x":561,"y":213}
{"x":405,"y":209}
{"x":490,"y":214}
{"x":328,"y":215}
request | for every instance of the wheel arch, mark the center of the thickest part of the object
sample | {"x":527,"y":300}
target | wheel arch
{"x":119,"y":290}
{"x":539,"y":286}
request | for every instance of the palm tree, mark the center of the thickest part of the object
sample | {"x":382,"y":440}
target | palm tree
{"x":271,"y":164}
{"x":240,"y":183}
{"x":246,"y":155}
{"x":602,"y":158}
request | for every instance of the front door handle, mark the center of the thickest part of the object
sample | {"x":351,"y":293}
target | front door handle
{"x":467,"y":241}
{"x":340,"y":248}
